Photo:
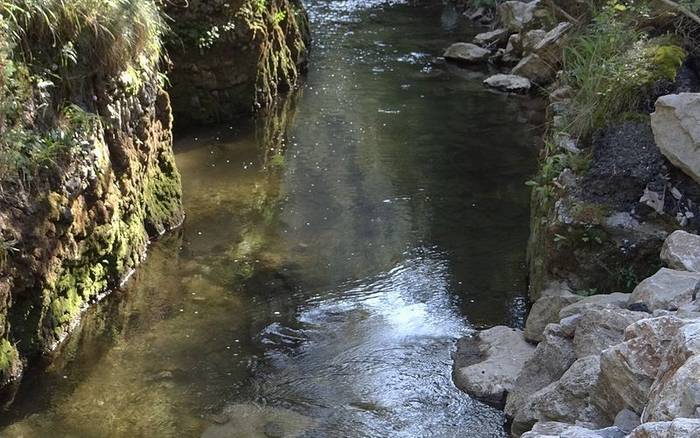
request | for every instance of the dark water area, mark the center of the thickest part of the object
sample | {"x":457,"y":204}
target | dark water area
{"x":333,"y":252}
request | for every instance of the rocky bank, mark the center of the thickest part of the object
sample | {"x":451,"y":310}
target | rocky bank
{"x":610,"y":345}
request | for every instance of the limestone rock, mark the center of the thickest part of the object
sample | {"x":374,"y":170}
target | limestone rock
{"x":568,"y":400}
{"x":676,"y":391}
{"x":466,"y":53}
{"x":509,"y":83}
{"x":630,"y":368}
{"x":546,"y":311}
{"x":599,"y":329}
{"x":681,"y":251}
{"x":552,"y":357}
{"x":679,"y":395}
{"x":504,"y":352}
{"x":517,"y":15}
{"x":667,"y":289}
{"x":496,"y":36}
{"x":678,"y":428}
{"x":677,"y":131}
{"x":534,"y":68}
{"x":600,"y":301}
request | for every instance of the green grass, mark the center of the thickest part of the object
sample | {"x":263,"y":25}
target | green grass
{"x":610,"y":64}
{"x":49,"y":50}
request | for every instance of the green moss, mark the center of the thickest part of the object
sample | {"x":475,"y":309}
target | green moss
{"x":9,"y":357}
{"x":666,"y":60}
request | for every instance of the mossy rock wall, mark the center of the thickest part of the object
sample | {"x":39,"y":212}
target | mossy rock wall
{"x":80,"y":232}
{"x":231,"y":58}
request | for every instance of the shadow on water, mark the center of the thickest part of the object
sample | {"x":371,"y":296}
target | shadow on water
{"x":333,"y":252}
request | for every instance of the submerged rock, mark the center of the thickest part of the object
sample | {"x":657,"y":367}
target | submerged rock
{"x":252,"y":420}
{"x":668,"y":289}
{"x":497,"y":357}
{"x":677,"y":131}
{"x":466,"y":53}
{"x":681,"y":251}
{"x":509,"y":83}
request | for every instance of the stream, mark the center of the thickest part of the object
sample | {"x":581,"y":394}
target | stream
{"x":334,"y":251}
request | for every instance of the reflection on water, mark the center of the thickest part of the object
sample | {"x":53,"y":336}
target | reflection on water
{"x":332,"y":254}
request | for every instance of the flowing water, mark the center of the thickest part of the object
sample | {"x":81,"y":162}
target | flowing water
{"x":333,"y":253}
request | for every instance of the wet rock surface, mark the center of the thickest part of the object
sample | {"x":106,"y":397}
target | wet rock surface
{"x":487,"y":363}
{"x":509,"y":83}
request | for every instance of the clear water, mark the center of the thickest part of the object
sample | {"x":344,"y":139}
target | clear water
{"x":333,"y":253}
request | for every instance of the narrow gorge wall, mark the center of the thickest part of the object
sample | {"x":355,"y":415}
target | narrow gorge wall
{"x":231,"y":58}
{"x":81,"y":229}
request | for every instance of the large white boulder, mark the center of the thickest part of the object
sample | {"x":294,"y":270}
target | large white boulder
{"x":676,"y":126}
{"x":681,"y":251}
{"x":668,"y":289}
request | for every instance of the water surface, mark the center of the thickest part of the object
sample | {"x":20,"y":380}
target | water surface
{"x":332,"y":254}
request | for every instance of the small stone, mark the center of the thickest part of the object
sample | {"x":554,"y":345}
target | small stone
{"x":509,"y":83}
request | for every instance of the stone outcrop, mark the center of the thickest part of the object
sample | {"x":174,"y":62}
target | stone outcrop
{"x":81,"y":232}
{"x":489,"y":362}
{"x":677,"y":132}
{"x":467,"y":53}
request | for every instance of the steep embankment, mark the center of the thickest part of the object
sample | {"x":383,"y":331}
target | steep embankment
{"x":618,"y":181}
{"x":88,"y":173}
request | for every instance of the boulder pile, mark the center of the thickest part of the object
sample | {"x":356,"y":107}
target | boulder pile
{"x":613,"y":365}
